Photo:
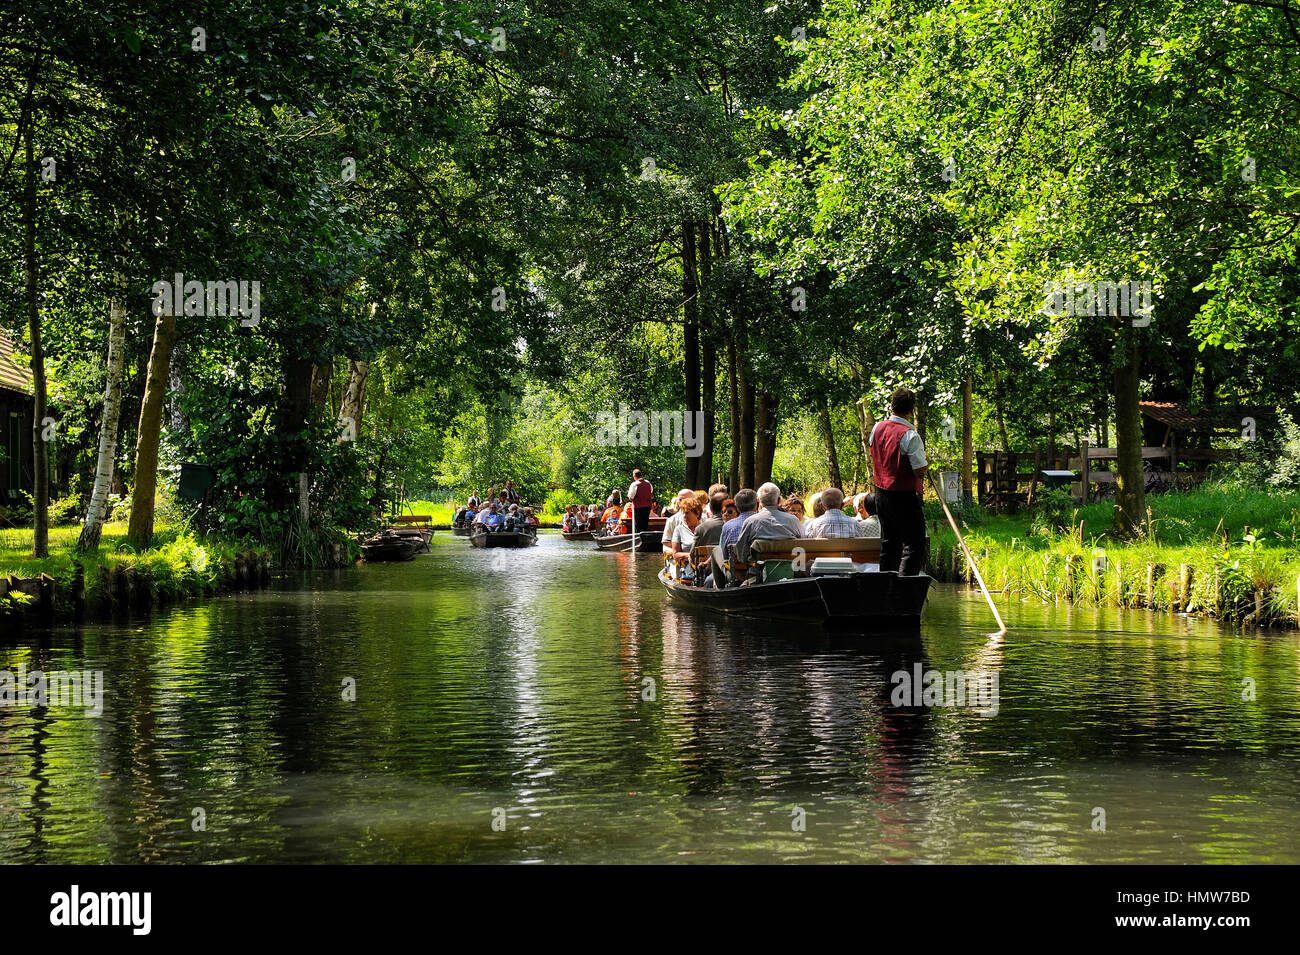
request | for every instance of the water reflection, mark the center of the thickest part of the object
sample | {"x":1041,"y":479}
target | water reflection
{"x":558,"y":685}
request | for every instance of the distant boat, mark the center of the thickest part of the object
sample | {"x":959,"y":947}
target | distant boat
{"x":461,"y":529}
{"x":845,"y":599}
{"x":390,"y":546}
{"x":421,"y":534}
{"x":648,"y":542}
{"x":482,"y":538}
{"x":578,"y":535}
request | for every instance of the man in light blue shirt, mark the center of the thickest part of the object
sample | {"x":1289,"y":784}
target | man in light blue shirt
{"x":746,"y":502}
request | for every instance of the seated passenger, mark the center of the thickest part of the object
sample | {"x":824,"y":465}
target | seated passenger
{"x":793,"y":505}
{"x":729,"y":511}
{"x":529,"y":519}
{"x":833,"y":522}
{"x":770,"y":523}
{"x":683,"y":540}
{"x":708,"y":533}
{"x":868,"y":522}
{"x":491,"y":519}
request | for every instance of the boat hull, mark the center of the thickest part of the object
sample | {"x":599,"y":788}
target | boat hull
{"x":421,"y":534}
{"x":391,"y":549}
{"x":577,"y":535}
{"x":502,"y":539}
{"x":650,"y":542}
{"x":871,"y":601}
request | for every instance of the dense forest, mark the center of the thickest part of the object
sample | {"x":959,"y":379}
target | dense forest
{"x":349,"y":253}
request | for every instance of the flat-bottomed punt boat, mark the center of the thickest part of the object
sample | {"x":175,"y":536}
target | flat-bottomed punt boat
{"x":388,"y":546}
{"x":648,"y":542}
{"x":482,"y":538}
{"x":861,"y":599}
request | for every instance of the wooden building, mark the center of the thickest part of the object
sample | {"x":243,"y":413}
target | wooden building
{"x":16,"y":407}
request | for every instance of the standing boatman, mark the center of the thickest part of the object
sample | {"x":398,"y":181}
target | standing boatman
{"x":512,"y":496}
{"x":898,"y":460}
{"x":640,"y":494}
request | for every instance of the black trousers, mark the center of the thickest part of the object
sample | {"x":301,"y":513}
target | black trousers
{"x":641,"y":519}
{"x":902,"y":531}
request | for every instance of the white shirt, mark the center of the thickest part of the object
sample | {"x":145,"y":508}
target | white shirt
{"x":910,"y":443}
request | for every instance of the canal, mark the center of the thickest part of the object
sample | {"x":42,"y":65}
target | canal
{"x":550,"y":706}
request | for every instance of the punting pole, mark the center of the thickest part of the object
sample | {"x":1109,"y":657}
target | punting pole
{"x":969,"y":559}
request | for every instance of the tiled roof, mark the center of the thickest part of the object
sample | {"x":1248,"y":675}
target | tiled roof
{"x":1179,"y":418}
{"x":15,"y":375}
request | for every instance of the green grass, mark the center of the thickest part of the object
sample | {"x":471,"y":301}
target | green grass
{"x":1248,"y":576}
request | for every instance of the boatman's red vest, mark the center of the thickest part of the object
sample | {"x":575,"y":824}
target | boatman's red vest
{"x":893,"y":469}
{"x":643,"y":493}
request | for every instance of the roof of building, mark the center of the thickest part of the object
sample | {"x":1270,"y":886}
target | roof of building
{"x":14,"y":374}
{"x":1179,"y":418}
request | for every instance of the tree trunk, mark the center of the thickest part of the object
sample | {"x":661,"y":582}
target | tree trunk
{"x":1130,"y":490}
{"x":691,"y":307}
{"x":40,"y":446}
{"x":746,"y":425}
{"x":828,"y":436}
{"x":96,"y":513}
{"x":733,"y":474}
{"x":149,"y":434}
{"x":321,"y":376}
{"x":354,"y":394}
{"x":967,"y":438}
{"x":764,"y":437}
{"x":708,"y":361}
{"x":997,"y":403}
{"x":866,"y":422}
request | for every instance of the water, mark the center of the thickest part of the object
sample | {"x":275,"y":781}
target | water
{"x":515,"y":687}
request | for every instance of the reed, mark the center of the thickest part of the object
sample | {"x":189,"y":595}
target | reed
{"x":1225,"y":552}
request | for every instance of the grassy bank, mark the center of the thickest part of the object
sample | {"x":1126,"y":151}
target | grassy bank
{"x":179,"y":565}
{"x":1228,"y":552}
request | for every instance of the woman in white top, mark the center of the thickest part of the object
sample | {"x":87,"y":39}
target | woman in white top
{"x":683,"y":539}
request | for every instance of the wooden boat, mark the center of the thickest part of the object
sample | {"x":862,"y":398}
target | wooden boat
{"x":578,"y":535}
{"x":461,"y":530}
{"x":649,"y":542}
{"x":482,"y":538}
{"x":389,"y":546}
{"x":861,"y":600}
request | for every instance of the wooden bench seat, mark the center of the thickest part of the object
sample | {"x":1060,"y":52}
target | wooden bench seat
{"x":411,"y":519}
{"x":862,"y":550}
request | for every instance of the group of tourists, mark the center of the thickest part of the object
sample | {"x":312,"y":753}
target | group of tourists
{"x":892,"y":513}
{"x":497,"y":511}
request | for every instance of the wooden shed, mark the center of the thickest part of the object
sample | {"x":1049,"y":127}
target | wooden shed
{"x":1190,"y":437}
{"x":16,"y":406}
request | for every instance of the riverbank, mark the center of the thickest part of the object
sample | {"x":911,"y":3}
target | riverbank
{"x":115,"y":579}
{"x":1216,"y":551}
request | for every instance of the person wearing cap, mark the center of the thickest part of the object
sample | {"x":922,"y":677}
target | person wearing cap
{"x":899,"y":464}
